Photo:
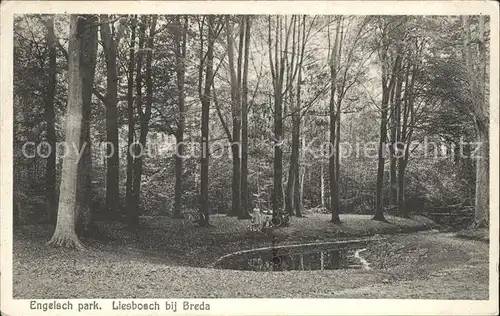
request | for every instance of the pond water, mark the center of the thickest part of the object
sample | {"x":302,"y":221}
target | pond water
{"x":321,"y":256}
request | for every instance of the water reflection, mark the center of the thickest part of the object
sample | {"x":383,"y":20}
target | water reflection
{"x":280,"y":260}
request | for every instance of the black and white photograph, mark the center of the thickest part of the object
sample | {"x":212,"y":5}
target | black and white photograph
{"x":160,"y":160}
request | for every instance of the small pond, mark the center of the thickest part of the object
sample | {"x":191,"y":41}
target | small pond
{"x":313,"y":256}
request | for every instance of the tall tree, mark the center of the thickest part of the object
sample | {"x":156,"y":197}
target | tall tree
{"x":245,"y":208}
{"x":347,"y":62}
{"x":86,"y":215}
{"x":296,"y":120}
{"x":299,"y":38}
{"x":395,"y":117}
{"x":334,"y":57}
{"x":340,"y":83}
{"x":289,"y":192}
{"x":406,"y":116}
{"x":476,"y":62}
{"x":180,"y":57}
{"x":110,"y":41}
{"x":144,"y":114}
{"x":205,"y":111}
{"x":49,"y":99}
{"x":235,"y":79}
{"x":388,"y":81}
{"x":277,"y":73}
{"x":65,"y":234}
{"x":278,"y":55}
{"x":131,"y":125}
{"x":137,"y":146}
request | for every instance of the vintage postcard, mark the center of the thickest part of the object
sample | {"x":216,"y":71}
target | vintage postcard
{"x":249,"y":157}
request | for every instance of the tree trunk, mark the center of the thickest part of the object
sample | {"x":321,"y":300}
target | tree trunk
{"x":393,"y":177}
{"x":396,"y":130}
{"x":137,"y":148}
{"x":50,"y":181}
{"x":278,"y":157}
{"x":236,"y":181}
{"x":290,"y":185}
{"x":299,"y":213}
{"x":334,"y":201}
{"x":379,"y":212}
{"x":334,"y":205}
{"x":131,"y":124}
{"x":387,"y":87}
{"x":84,"y":186}
{"x":338,"y":113}
{"x":337,"y":154}
{"x":179,"y":162}
{"x":235,"y":109}
{"x":277,"y":71}
{"x":245,"y":208}
{"x":289,"y":207}
{"x":180,"y":52}
{"x":86,"y":216}
{"x":65,"y":234}
{"x":392,"y":156}
{"x":481,"y":217}
{"x":144,"y":116}
{"x":478,"y":78}
{"x":401,"y":188}
{"x":297,"y":201}
{"x":205,"y":111}
{"x":482,"y":123}
{"x":112,"y":152}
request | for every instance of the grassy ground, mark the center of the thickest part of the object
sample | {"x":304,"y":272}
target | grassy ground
{"x":481,"y":234}
{"x":166,"y":259}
